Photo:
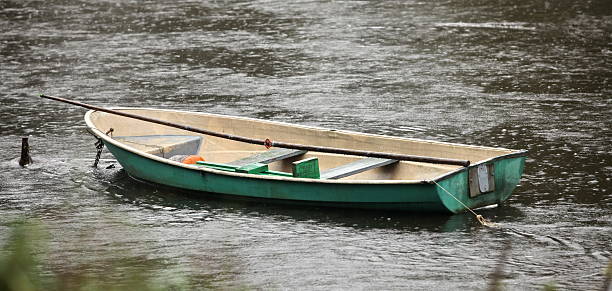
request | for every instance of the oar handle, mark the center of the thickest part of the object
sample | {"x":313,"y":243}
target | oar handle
{"x":321,"y":149}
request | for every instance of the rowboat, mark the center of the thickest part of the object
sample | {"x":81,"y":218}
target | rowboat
{"x":353,"y":174}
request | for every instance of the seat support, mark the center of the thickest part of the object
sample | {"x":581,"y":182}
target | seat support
{"x":267,"y":157}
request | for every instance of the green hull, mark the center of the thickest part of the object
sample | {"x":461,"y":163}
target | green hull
{"x":420,"y":196}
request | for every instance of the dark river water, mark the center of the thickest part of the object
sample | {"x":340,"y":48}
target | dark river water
{"x":520,"y":74}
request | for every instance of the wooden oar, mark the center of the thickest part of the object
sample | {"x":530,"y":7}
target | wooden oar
{"x":269,"y":143}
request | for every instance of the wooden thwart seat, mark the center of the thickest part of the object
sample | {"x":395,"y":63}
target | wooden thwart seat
{"x":355,"y":167}
{"x":309,"y":168}
{"x":267,"y":157}
{"x":165,"y":146}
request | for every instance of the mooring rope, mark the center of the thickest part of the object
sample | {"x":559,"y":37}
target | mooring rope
{"x":99,"y":145}
{"x":479,"y":217}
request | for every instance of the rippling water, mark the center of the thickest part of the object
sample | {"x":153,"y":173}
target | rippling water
{"x":520,"y":74}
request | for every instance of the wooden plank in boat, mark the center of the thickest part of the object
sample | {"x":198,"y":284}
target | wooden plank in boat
{"x":253,"y":168}
{"x":355,"y":167}
{"x":164,"y":146}
{"x":268,"y":157}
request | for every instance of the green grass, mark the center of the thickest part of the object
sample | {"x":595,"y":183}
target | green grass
{"x":21,"y":268}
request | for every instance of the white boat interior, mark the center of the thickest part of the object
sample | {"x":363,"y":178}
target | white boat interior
{"x":149,"y":138}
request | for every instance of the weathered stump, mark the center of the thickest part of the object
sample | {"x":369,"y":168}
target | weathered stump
{"x":25,"y":152}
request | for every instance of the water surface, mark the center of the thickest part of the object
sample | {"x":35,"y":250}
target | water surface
{"x":519,"y":74}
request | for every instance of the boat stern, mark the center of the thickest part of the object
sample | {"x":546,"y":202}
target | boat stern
{"x":486,"y":183}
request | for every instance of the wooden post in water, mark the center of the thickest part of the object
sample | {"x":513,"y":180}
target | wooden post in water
{"x":25,"y":152}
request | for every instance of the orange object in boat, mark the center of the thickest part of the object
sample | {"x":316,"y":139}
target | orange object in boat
{"x":192,"y":159}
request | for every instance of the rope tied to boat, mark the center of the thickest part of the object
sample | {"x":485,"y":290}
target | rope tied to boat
{"x":99,"y":146}
{"x":479,"y":217}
